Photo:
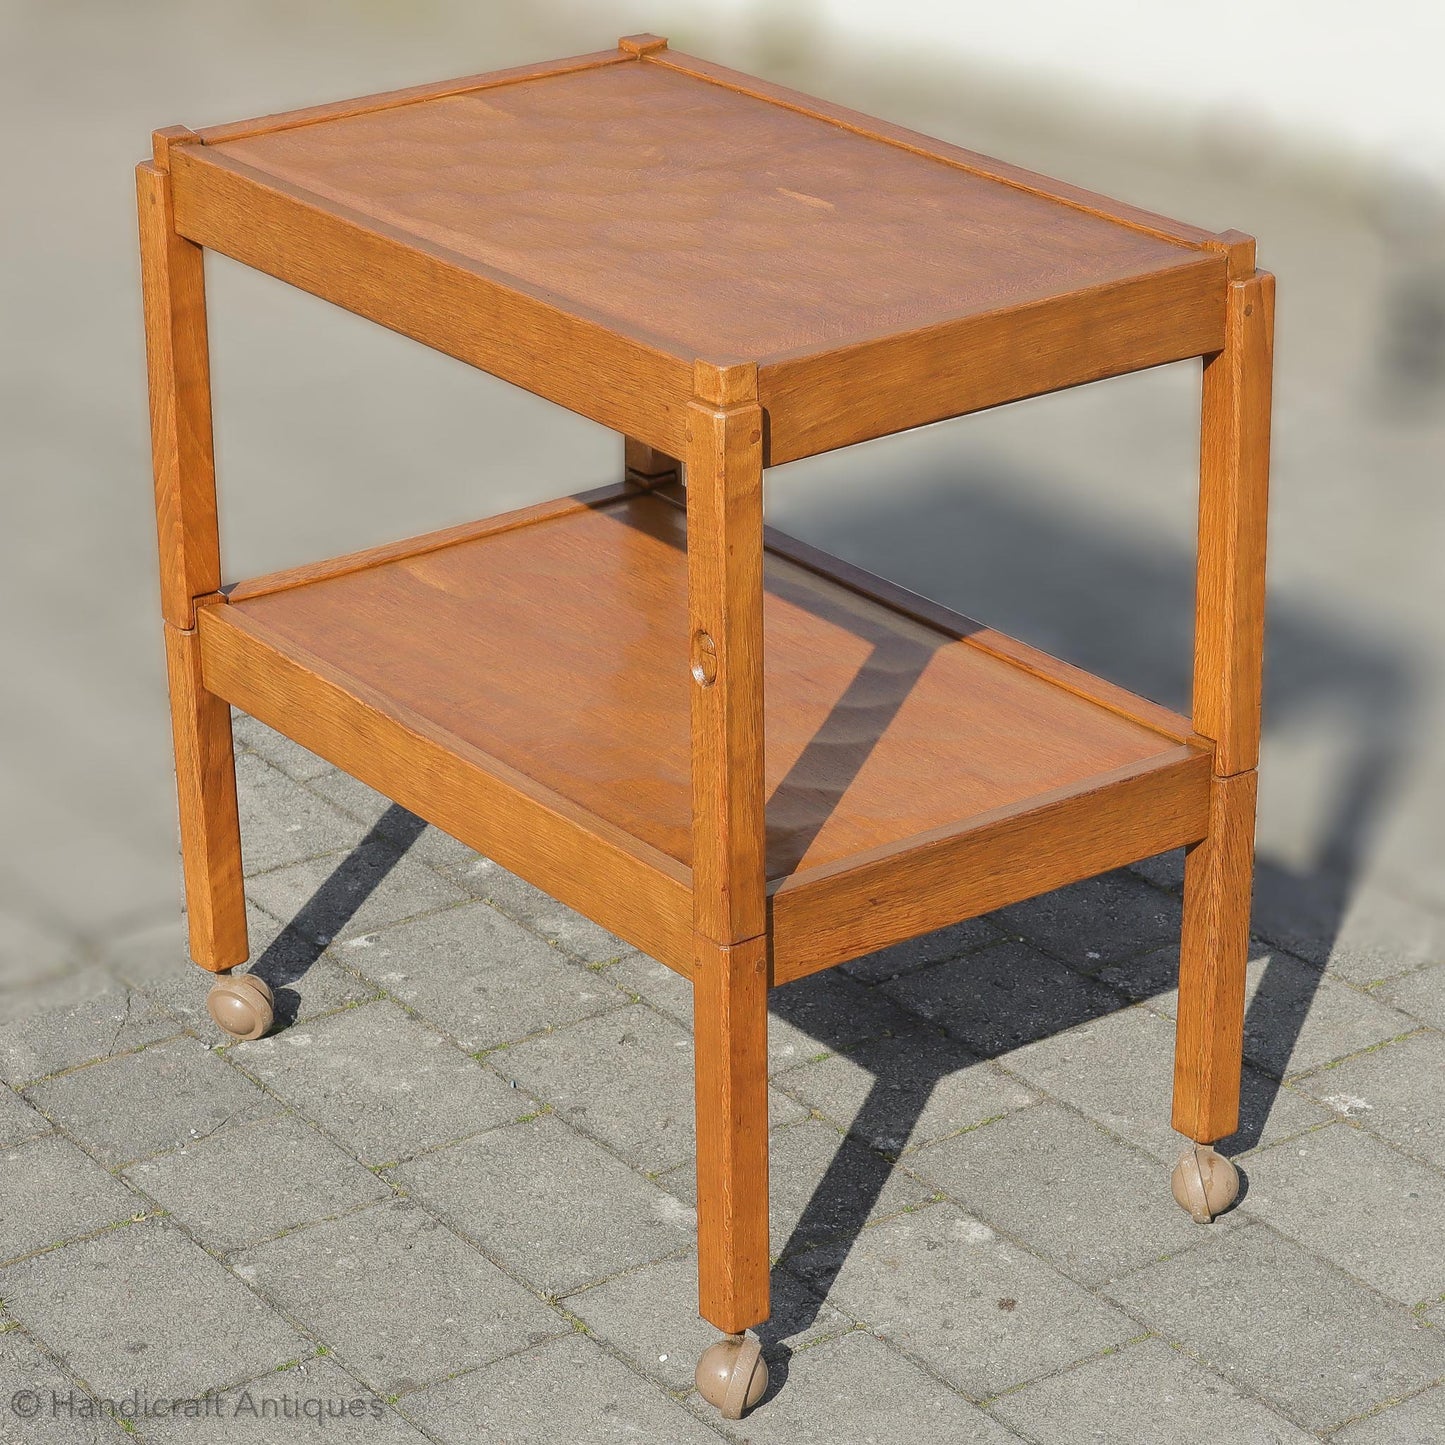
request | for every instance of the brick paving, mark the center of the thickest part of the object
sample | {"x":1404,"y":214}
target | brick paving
{"x":454,"y":1188}
{"x":455,"y":1184}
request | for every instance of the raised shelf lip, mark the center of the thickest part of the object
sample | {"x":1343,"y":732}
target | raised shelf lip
{"x":985,"y":167}
{"x":408,"y":95}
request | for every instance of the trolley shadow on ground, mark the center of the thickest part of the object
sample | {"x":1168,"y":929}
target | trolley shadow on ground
{"x":1102,"y":602}
{"x":1125,"y":614}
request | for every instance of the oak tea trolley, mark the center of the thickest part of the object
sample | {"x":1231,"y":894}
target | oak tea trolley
{"x":747,"y":758}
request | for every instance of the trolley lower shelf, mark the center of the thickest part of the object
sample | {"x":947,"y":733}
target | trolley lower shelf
{"x":523,"y":684}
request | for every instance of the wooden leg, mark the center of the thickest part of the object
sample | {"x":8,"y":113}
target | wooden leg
{"x":648,"y":467}
{"x":1209,"y":1039}
{"x":190,"y":562}
{"x":730,"y":1020}
{"x":1229,"y":647}
{"x":210,"y":824}
{"x":730,"y":988}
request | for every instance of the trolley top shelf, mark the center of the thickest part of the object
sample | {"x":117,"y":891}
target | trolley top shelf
{"x":662,"y":211}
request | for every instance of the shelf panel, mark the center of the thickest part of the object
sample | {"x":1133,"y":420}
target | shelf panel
{"x":548,"y":658}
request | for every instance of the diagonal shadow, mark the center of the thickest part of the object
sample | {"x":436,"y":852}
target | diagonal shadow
{"x":1128,"y":610}
{"x":808,"y":792}
{"x":305,"y":938}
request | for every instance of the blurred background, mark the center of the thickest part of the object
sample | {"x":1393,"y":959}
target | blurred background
{"x":1068,"y":521}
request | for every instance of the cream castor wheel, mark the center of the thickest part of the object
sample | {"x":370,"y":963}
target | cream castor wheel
{"x":242,"y":1006}
{"x":732,"y":1375}
{"x":1205,"y":1183}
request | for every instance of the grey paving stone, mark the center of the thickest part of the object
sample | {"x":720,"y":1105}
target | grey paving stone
{"x":540,"y":912}
{"x":88,"y":1014}
{"x":144,"y":1306}
{"x":891,"y":963}
{"x":18,"y":1120}
{"x":305,"y":982}
{"x":897,"y":1093}
{"x":1420,"y":994}
{"x":827,"y":1010}
{"x":372,"y":887}
{"x":1094,"y":1206}
{"x":1146,"y":1394}
{"x":381,"y":1082}
{"x":157,"y":1099}
{"x":820,"y":1186}
{"x":1297,"y":1018}
{"x":555,"y":1208}
{"x":651,"y":1316}
{"x":1347,"y":1196}
{"x":1396,"y":1091}
{"x":568,"y":1389}
{"x":479,"y":976}
{"x":1002,"y":997}
{"x":1360,"y":930}
{"x":1097,"y":921}
{"x":283,"y":822}
{"x":398,"y":1296}
{"x":242,"y":1186}
{"x":433,"y":847}
{"x":311,"y":1400}
{"x":1164,"y":870}
{"x":857,"y":1391}
{"x":1288,"y":1327}
{"x":984,"y":1313}
{"x":1119,"y":1070}
{"x":660,"y":986}
{"x":51,"y":1191}
{"x":66,"y":1416}
{"x":1420,"y":1421}
{"x":1147,"y":975}
{"x":293,"y":760}
{"x":627,"y":1079}
{"x":1384,"y":934}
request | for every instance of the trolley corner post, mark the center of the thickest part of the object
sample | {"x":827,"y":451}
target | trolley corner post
{"x":178,"y":364}
{"x":730,"y":990}
{"x":1228,"y":670}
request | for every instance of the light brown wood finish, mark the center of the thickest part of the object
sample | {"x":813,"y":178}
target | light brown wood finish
{"x":1228,"y":675}
{"x":824,"y":916}
{"x":1214,"y":950}
{"x":864,"y":317}
{"x":178,"y":363}
{"x":868,"y":688}
{"x":987,"y":167}
{"x":817,"y":402}
{"x":646,"y":466}
{"x":210,"y":822}
{"x":596,"y":498}
{"x":731,"y":275}
{"x":730,"y":1026}
{"x":587,"y":863}
{"x":180,"y":391}
{"x":602,"y":369}
{"x":411,"y":95}
{"x":725,"y":621}
{"x":1233,"y":503}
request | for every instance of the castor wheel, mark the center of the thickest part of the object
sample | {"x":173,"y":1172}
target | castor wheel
{"x":242,"y":1006}
{"x":1205,"y":1183}
{"x":732,"y":1375}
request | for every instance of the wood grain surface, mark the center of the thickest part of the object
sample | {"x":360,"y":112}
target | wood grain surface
{"x":1213,"y":954}
{"x":562,"y":650}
